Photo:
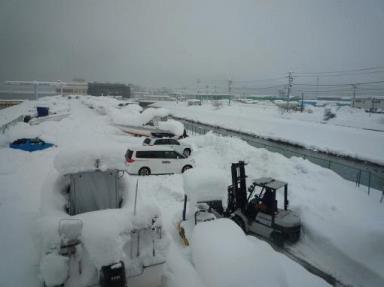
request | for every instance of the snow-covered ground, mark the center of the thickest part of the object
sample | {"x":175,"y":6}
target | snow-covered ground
{"x":352,"y":132}
{"x":342,"y":226}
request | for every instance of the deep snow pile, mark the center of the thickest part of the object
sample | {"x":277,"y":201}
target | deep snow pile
{"x":342,"y":226}
{"x":224,"y":256}
{"x":353,"y":132}
{"x":72,"y":160}
{"x":203,"y":184}
{"x":133,"y":115}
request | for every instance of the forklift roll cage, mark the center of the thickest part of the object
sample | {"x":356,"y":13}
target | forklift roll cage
{"x":237,"y":192}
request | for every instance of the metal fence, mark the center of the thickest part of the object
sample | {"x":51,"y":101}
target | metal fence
{"x":361,"y":176}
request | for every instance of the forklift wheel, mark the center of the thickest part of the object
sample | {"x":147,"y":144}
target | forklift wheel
{"x":239,"y":221}
{"x":293,"y":237}
{"x":278,"y":238}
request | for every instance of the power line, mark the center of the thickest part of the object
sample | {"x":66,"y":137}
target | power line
{"x":341,"y":71}
{"x":260,"y":80}
{"x":339,"y":85}
{"x":260,"y":88}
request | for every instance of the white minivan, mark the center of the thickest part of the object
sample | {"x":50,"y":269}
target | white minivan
{"x":146,"y":160}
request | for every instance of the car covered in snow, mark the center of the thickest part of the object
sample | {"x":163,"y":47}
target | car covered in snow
{"x":146,"y":160}
{"x":180,"y":147}
{"x":93,"y":233}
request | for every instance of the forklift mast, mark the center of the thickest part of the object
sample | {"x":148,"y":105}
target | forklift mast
{"x":237,"y":193}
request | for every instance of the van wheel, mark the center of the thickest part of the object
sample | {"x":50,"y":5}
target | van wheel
{"x":186,"y":168}
{"x":144,"y":171}
{"x":187,"y":152}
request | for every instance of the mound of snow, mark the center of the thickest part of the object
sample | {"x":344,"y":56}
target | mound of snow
{"x":175,"y":127}
{"x":223,"y":256}
{"x":151,"y":113}
{"x":203,"y":184}
{"x":54,"y":269}
{"x":72,"y":160}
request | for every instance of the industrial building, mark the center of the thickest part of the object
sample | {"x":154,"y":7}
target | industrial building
{"x":74,"y":88}
{"x":371,"y":104}
{"x":109,"y":89}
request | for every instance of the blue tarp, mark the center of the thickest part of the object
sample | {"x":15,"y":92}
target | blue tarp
{"x":30,"y":144}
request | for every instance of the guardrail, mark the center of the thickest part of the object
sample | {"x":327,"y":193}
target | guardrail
{"x":362,"y":173}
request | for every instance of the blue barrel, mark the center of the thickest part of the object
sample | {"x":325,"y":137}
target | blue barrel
{"x":42,"y":111}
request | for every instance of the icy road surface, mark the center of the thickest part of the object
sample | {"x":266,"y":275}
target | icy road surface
{"x":342,"y":226}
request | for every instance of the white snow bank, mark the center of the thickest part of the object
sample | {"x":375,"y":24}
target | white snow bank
{"x":132,"y":108}
{"x":203,"y":184}
{"x":72,"y":160}
{"x":54,"y":269}
{"x":224,"y":257}
{"x":175,"y":127}
{"x":150,"y":113}
{"x":342,"y":225}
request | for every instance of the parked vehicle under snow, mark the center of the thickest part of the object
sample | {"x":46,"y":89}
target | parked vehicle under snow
{"x":93,"y":232}
{"x":204,"y":188}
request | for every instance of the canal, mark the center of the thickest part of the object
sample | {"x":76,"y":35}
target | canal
{"x":359,"y":171}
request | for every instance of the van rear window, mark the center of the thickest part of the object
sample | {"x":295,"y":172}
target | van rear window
{"x":128,"y":154}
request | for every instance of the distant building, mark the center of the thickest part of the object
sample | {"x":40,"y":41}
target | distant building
{"x":9,"y":103}
{"x":109,"y":89}
{"x":372,"y":104}
{"x":74,"y":88}
{"x":334,"y":99}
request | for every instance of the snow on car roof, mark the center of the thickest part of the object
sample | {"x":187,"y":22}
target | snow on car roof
{"x":205,"y":184}
{"x":87,"y":158}
{"x":151,"y":148}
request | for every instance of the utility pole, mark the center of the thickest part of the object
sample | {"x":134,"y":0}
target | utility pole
{"x":302,"y":101}
{"x":354,"y":86}
{"x":35,"y":89}
{"x":317,"y":87}
{"x":229,"y":91}
{"x":290,"y":81}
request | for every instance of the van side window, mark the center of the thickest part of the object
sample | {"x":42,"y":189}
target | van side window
{"x":173,"y":142}
{"x":158,"y":154}
{"x":170,"y":154}
{"x":144,"y":154}
{"x":160,"y":142}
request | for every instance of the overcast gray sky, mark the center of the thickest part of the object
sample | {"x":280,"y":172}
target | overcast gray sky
{"x":173,"y":43}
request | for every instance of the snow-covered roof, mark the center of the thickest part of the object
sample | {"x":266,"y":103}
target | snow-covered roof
{"x":87,"y":158}
{"x":204,"y":184}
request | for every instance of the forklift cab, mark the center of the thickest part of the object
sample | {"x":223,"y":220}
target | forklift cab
{"x":256,"y":210}
{"x":262,"y":195}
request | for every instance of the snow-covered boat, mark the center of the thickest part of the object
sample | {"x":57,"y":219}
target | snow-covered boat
{"x":93,"y":232}
{"x":50,"y":117}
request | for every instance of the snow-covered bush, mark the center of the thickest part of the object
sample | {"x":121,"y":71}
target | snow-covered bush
{"x":217,"y":104}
